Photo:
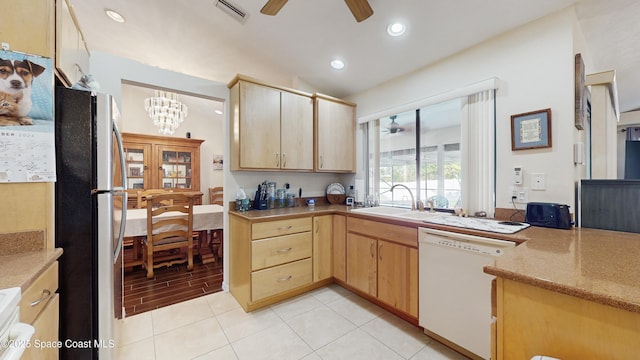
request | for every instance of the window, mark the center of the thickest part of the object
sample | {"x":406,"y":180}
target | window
{"x":393,"y":159}
{"x":442,"y":147}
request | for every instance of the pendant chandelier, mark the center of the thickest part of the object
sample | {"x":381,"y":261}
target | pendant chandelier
{"x":166,"y":111}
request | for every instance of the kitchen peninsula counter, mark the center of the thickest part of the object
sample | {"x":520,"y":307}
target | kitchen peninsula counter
{"x":595,"y":265}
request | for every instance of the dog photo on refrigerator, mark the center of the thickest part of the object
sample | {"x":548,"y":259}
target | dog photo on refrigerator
{"x":16,"y":80}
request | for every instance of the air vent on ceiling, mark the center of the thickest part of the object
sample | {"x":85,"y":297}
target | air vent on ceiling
{"x":232,"y":10}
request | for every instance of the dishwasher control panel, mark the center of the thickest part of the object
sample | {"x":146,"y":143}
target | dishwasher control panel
{"x":464,"y":242}
{"x":468,"y":246}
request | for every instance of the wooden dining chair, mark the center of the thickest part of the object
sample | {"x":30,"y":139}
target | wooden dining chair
{"x":168,"y":236}
{"x":216,"y":195}
{"x":142,"y":196}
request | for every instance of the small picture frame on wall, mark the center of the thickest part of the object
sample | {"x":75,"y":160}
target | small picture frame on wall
{"x":531,"y":130}
{"x":217,"y":161}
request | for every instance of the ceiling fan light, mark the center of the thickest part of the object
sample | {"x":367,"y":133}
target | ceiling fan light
{"x":114,"y":15}
{"x":396,"y":29}
{"x":337,"y":64}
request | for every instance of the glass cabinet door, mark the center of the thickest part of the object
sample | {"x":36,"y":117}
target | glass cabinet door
{"x":137,"y":158}
{"x":176,"y":168}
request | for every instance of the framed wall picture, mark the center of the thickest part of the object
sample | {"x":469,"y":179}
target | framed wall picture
{"x":531,"y":130}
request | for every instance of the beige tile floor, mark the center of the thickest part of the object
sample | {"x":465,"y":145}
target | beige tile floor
{"x":328,"y":323}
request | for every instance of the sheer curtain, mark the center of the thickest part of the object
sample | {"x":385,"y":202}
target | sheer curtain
{"x":478,"y":153}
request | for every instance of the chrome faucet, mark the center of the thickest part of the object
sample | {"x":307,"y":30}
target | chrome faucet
{"x":430,"y":203}
{"x":413,"y":200}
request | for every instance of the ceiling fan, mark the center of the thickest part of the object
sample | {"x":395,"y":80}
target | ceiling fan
{"x":360,"y":9}
{"x":394,"y":127}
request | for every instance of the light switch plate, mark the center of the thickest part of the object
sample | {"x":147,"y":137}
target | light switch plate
{"x":538,"y":181}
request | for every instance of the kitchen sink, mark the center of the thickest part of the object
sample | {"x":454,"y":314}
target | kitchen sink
{"x":420,"y":215}
{"x":383,"y":210}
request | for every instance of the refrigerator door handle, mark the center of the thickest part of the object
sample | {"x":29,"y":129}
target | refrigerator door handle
{"x":123,"y":166}
{"x":122,"y":190}
{"x":123,"y":223}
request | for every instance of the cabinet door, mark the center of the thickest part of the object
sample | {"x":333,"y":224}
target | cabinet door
{"x":46,"y":325}
{"x":335,"y":136}
{"x":29,"y":26}
{"x":340,"y":247}
{"x":398,"y":276}
{"x":259,"y":127}
{"x":72,"y":57}
{"x":296,"y":121}
{"x":361,"y":263}
{"x":138,"y":165}
{"x":176,"y":168}
{"x":322,"y":233}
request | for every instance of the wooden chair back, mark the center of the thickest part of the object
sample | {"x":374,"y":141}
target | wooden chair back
{"x":216,"y":195}
{"x":168,"y":232}
{"x":143,"y":194}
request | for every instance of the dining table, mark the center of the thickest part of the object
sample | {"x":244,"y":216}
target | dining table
{"x":206,"y":218}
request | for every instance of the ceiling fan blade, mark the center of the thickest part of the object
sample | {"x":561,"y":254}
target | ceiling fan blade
{"x":272,"y":7}
{"x":360,"y":9}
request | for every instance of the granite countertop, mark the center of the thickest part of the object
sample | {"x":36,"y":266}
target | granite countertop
{"x":21,"y":269}
{"x":596,"y":265}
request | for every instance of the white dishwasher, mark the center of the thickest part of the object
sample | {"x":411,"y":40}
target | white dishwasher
{"x":454,"y":292}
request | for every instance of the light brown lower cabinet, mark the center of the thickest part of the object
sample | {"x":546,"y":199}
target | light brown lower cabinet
{"x":322,"y":247}
{"x":39,"y":306}
{"x":382,"y":261}
{"x":398,"y":276}
{"x":339,"y":247}
{"x":277,"y":259}
{"x":535,"y":321}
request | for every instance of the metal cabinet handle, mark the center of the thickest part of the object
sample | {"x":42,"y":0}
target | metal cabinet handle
{"x":371,"y":249}
{"x":317,"y":226}
{"x":380,"y":251}
{"x":277,"y":159}
{"x":282,"y":251}
{"x":46,"y":294}
{"x":285,"y":228}
{"x":284,"y":160}
{"x":283,"y":279}
{"x":321,"y":162}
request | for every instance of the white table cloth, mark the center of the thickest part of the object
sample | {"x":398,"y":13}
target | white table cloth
{"x":205,"y":217}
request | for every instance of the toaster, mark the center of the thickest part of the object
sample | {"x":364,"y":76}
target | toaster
{"x":548,"y":215}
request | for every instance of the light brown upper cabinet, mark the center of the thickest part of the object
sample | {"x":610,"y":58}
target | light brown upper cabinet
{"x":335,"y":135}
{"x":272,"y":128}
{"x":72,"y":56}
{"x":276,"y":128}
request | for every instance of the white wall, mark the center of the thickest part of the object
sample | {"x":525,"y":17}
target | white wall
{"x":535,"y":66}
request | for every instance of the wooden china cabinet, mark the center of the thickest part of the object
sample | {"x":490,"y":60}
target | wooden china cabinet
{"x":160,"y":162}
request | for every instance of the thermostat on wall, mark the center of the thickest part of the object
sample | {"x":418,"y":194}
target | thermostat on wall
{"x":517,"y":175}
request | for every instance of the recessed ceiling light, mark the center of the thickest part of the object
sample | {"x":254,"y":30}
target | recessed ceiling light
{"x":337,"y":64}
{"x":114,"y":15}
{"x":219,"y":112}
{"x":396,"y":29}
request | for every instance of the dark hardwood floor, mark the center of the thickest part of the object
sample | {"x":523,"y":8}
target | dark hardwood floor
{"x":170,"y":285}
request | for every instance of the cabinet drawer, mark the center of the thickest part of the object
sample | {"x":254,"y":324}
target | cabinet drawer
{"x":280,"y":227}
{"x":399,"y":234}
{"x":36,"y":297}
{"x":279,"y":250}
{"x":281,"y":278}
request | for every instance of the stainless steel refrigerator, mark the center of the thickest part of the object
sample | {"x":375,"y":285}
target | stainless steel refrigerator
{"x":89,"y":222}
